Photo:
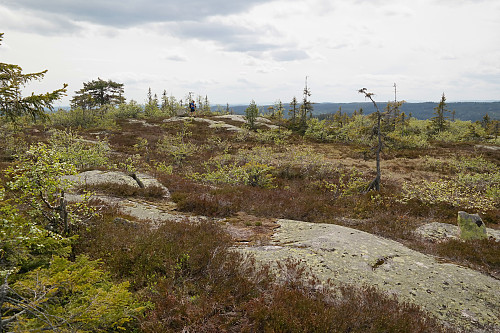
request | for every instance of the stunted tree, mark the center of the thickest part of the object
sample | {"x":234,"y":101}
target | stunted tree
{"x":306,"y":108}
{"x":375,"y":183}
{"x":251,"y":113}
{"x":270,"y":111}
{"x":392,"y":115}
{"x":12,"y":102}
{"x":206,"y":106}
{"x":279,"y":112}
{"x":292,"y":112}
{"x":98,"y":93}
{"x":151,"y":108}
{"x":439,"y":122}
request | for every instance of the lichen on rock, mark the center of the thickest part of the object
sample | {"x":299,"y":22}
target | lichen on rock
{"x":355,"y":257}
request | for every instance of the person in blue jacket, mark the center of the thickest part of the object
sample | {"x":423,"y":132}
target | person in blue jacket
{"x":192,"y":108}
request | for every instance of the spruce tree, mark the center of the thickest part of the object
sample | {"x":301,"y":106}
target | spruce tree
{"x":12,"y":102}
{"x":439,"y":122}
{"x":151,"y":108}
{"x":292,"y":112}
{"x":206,"y":105}
{"x":306,"y":108}
{"x":164,"y":102}
{"x":251,"y":113}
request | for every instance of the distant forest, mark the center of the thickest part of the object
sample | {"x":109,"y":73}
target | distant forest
{"x":463,"y":110}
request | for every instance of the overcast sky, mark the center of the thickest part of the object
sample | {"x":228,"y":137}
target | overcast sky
{"x":238,"y":50}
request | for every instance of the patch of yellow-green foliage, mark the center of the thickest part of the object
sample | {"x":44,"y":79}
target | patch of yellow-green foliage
{"x":474,"y":183}
{"x":73,"y":296}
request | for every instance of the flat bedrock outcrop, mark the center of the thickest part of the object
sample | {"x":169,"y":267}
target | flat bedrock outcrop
{"x":457,"y":295}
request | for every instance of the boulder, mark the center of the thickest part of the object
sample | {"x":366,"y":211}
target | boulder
{"x":471,"y":226}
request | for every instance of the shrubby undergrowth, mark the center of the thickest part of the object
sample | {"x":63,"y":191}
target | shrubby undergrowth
{"x":113,"y":273}
{"x":472,"y":184}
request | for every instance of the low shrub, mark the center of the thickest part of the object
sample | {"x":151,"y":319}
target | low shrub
{"x":145,"y":256}
{"x":82,"y":153}
{"x":289,"y":309}
{"x":252,"y":173}
{"x":71,"y":296}
{"x":79,"y":118}
{"x":477,"y":254}
{"x":275,"y":136}
{"x":177,"y":147}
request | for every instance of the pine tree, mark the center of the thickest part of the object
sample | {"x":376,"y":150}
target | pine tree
{"x":13,"y":104}
{"x":98,"y":93}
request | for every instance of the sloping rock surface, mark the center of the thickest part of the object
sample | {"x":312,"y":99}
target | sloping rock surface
{"x":211,"y":123}
{"x":457,"y":295}
{"x":260,"y":120}
{"x":143,"y":210}
{"x":98,"y":177}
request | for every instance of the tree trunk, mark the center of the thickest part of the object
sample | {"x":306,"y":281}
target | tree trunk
{"x":63,"y":213}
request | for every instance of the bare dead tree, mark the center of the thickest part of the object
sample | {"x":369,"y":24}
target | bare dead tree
{"x":375,"y":183}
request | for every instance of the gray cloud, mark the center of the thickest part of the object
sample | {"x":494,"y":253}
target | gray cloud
{"x":234,"y":38}
{"x":176,"y":57}
{"x":50,"y":24}
{"x":191,"y":19}
{"x":289,"y":55}
{"x":126,"y":13}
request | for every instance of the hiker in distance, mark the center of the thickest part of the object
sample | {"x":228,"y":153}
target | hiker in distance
{"x":192,"y":108}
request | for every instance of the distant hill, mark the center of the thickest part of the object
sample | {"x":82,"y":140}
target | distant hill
{"x":463,"y":110}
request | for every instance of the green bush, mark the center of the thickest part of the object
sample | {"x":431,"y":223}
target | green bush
{"x":12,"y":144}
{"x":178,"y":147}
{"x":37,"y":180}
{"x":408,"y":141}
{"x":465,"y":196}
{"x":23,"y":244}
{"x":75,"y":118}
{"x":349,"y":182}
{"x":72,"y":297}
{"x":471,"y":183}
{"x":82,"y":153}
{"x":127,"y":110}
{"x":319,"y":130}
{"x":276,"y":136}
{"x":252,"y":173}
